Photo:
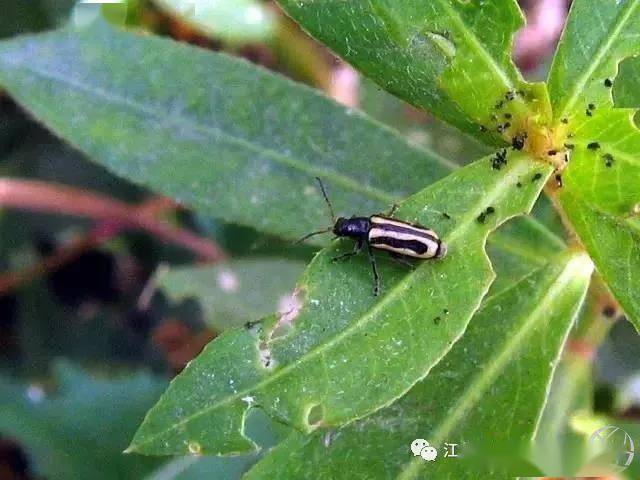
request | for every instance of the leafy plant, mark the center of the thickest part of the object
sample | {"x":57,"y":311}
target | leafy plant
{"x":70,"y":428}
{"x":444,"y":352}
{"x":243,"y":21}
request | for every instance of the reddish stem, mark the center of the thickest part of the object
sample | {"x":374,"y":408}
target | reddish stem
{"x":115,"y":216}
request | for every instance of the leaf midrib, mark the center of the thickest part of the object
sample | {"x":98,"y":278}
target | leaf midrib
{"x":336,"y":177}
{"x":478,"y":46}
{"x":602,"y":51}
{"x":474,"y":391}
{"x":161,"y":119}
{"x":466,"y":222}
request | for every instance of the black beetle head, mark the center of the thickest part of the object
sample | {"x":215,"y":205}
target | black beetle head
{"x":340,"y":227}
{"x":354,"y":227}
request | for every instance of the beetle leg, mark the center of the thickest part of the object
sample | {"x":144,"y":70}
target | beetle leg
{"x":393,"y":210}
{"x":401,"y":260}
{"x":356,"y":250}
{"x":376,"y":277}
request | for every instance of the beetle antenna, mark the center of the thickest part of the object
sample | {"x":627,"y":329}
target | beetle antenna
{"x":333,"y":215}
{"x":313,"y":234}
{"x":326,"y":199}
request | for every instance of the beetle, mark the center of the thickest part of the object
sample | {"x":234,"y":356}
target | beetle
{"x":399,"y":239}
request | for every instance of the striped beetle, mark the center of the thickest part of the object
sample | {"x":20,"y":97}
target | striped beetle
{"x":399,"y":239}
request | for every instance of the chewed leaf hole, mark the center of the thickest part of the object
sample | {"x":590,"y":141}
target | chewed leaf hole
{"x":262,"y":429}
{"x":315,"y":416}
{"x":289,"y":308}
{"x":266,"y":359}
{"x":194,"y":448}
{"x":281,"y":330}
{"x":623,"y":86}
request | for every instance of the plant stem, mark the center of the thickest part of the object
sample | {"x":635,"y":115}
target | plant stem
{"x":115,"y":216}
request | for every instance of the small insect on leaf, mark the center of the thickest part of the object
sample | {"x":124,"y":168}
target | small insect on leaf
{"x":608,"y":159}
{"x":559,"y":180}
{"x":518,"y":141}
{"x":499,"y":159}
{"x":398,"y":238}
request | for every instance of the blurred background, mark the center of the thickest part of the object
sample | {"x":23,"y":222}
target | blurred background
{"x":103,"y":294}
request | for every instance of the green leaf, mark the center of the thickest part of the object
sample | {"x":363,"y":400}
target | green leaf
{"x":619,"y":360}
{"x":596,"y":39}
{"x":600,"y":194}
{"x":433,"y":134}
{"x":259,"y":427}
{"x":626,"y":89}
{"x":558,"y":448}
{"x":233,"y":21}
{"x":22,"y":16}
{"x":488,"y":391}
{"x":208,"y":151}
{"x":452,"y":58}
{"x":236,"y":293}
{"x":81,"y":429}
{"x":614,"y":244}
{"x":548,"y":221}
{"x":301,"y":367}
{"x":196,"y":467}
{"x":602,"y":181}
{"x":58,"y":11}
{"x":604,"y":169}
{"x":524,"y":245}
{"x":214,"y":132}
